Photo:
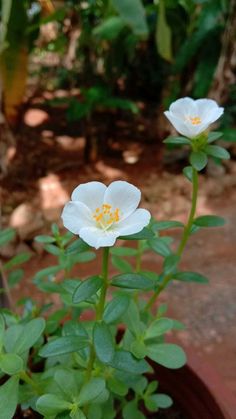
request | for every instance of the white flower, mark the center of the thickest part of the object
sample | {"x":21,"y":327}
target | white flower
{"x":100,"y":214}
{"x":192,"y":117}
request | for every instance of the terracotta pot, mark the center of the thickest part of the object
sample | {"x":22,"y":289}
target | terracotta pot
{"x":197,"y":390}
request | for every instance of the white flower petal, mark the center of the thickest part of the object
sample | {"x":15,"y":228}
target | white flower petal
{"x":91,"y":194}
{"x":182,"y":113}
{"x":122,"y":195}
{"x":97,"y":237}
{"x":183,"y":107}
{"x":134,"y":223}
{"x":215,"y":114}
{"x":76,"y":215}
{"x":208,"y":110}
{"x":180,"y":125}
{"x":197,"y":129}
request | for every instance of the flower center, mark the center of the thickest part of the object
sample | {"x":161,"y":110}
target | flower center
{"x":195,"y":120}
{"x":105,"y":216}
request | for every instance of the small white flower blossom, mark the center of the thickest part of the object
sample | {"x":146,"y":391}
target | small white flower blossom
{"x":100,"y":214}
{"x":192,"y":117}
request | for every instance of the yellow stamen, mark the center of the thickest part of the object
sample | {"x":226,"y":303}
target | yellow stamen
{"x":105,"y":217}
{"x":196,"y":120}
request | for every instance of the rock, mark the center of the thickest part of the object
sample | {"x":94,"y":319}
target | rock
{"x":35,"y":117}
{"x":26,"y":220}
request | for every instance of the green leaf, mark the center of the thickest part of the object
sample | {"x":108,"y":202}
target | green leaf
{"x":130,"y":411}
{"x":165,"y":225}
{"x":132,"y":281}
{"x":47,"y":272}
{"x":190,"y":277}
{"x":63,"y":345}
{"x":78,"y":246}
{"x":20,"y":338}
{"x":78,"y":414}
{"x":198,"y":160}
{"x":155,"y":401}
{"x":123,"y":251}
{"x":145,"y":234}
{"x":103,"y":342}
{"x":170,"y":264}
{"x":188,"y":173}
{"x":15,"y":277}
{"x":177,"y":140}
{"x":110,"y":28}
{"x":217,"y":151}
{"x":121,"y":264}
{"x":167,"y":354}
{"x":7,"y":235}
{"x":74,"y":328}
{"x":124,"y":361}
{"x":138,"y":349}
{"x":159,"y":246}
{"x":9,"y":397}
{"x":152,"y":386}
{"x":44,"y":239}
{"x":17,"y":260}
{"x":132,"y":13}
{"x":87,"y":289}
{"x":163,"y":34}
{"x":86,"y":256}
{"x":117,"y":387}
{"x":72,"y":379}
{"x":158,"y":328}
{"x":53,"y":249}
{"x":48,"y":286}
{"x":213,"y":136}
{"x":116,"y":308}
{"x":163,"y":400}
{"x":51,"y":404}
{"x":55,"y":230}
{"x":132,"y":318}
{"x":91,"y":390}
{"x":209,"y":221}
{"x":11,"y":363}
{"x":95,"y":412}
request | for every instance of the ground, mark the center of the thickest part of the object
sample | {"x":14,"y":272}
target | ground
{"x":46,"y":168}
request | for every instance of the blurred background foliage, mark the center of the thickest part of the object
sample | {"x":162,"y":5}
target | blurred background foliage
{"x":118,"y":53}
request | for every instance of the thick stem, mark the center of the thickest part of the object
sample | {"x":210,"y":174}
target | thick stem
{"x":102,"y":299}
{"x":183,"y":242}
{"x":100,"y":307}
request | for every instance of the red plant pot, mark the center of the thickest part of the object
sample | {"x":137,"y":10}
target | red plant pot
{"x":197,"y":390}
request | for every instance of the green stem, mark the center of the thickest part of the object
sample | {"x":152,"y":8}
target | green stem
{"x":183,"y":242}
{"x":27,"y":379}
{"x":187,"y":229}
{"x":100,"y":307}
{"x":90,"y":364}
{"x":102,"y":299}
